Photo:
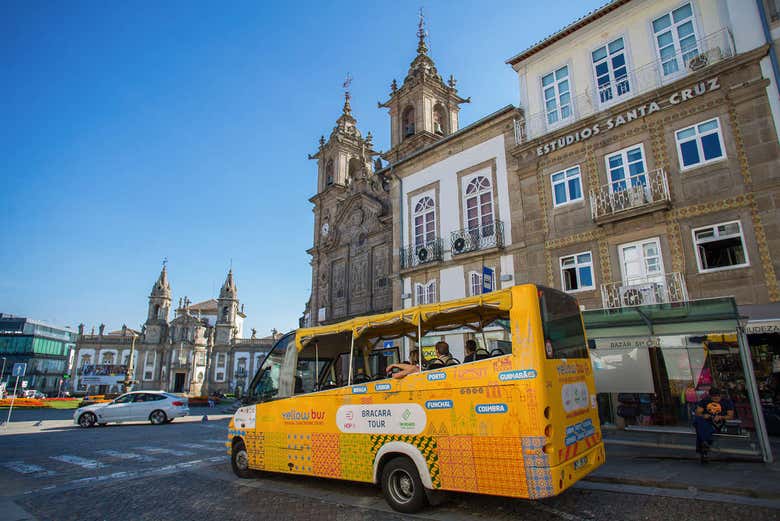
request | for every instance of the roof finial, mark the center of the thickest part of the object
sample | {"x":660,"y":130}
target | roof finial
{"x":347,"y":95}
{"x":421,"y":34}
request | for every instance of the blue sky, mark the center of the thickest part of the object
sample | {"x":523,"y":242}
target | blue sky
{"x":133,"y":131}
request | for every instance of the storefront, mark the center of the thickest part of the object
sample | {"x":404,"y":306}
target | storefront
{"x":763,"y":333}
{"x":652,"y":364}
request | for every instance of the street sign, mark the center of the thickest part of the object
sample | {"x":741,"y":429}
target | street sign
{"x":487,"y":279}
{"x":24,"y":384}
{"x":388,"y":343}
{"x":19,"y":369}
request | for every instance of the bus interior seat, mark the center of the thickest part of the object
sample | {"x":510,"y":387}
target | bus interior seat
{"x":481,"y":354}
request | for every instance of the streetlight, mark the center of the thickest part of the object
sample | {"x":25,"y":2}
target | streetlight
{"x":2,"y":373}
{"x":129,"y":369}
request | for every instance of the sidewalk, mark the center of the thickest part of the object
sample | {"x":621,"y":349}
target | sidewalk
{"x":670,"y":468}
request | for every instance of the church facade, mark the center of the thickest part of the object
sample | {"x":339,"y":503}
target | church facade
{"x":200,"y":350}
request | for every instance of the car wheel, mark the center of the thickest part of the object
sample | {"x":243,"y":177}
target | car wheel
{"x":239,"y":460}
{"x":87,"y":420}
{"x":402,"y":486}
{"x":157,"y":417}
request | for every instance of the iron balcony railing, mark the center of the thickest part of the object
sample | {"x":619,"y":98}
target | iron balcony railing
{"x":479,"y":238}
{"x":640,"y":190}
{"x":708,"y":50}
{"x":660,"y":289}
{"x":418,"y":254}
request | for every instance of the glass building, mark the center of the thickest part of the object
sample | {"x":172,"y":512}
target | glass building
{"x":46,"y":350}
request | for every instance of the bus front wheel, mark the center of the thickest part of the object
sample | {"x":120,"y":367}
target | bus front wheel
{"x":239,"y":460}
{"x":402,"y":486}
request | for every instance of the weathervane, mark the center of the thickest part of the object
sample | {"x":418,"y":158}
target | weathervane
{"x":346,"y":84}
{"x":421,"y":33}
{"x":165,"y":261}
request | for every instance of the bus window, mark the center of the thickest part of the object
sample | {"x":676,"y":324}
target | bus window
{"x":564,"y":336}
{"x":373,"y":367}
{"x":265,"y":384}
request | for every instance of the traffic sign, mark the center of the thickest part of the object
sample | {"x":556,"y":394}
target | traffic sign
{"x":24,"y":384}
{"x":388,"y":343}
{"x":487,"y":279}
{"x":19,"y":369}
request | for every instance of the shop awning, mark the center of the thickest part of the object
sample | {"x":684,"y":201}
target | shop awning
{"x":716,"y":315}
{"x":762,"y":319}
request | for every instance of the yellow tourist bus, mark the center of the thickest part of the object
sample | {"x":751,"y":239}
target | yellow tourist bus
{"x":520,"y":420}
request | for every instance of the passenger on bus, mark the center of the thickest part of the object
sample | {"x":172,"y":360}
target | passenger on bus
{"x":406,"y":368}
{"x":471,"y":351}
{"x":443,"y":352}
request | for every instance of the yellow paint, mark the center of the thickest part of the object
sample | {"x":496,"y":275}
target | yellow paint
{"x":479,"y":427}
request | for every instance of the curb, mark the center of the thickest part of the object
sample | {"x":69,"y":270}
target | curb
{"x":683,"y":486}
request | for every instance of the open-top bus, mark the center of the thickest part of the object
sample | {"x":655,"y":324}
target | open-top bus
{"x":519,"y":421}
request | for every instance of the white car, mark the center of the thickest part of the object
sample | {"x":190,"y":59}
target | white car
{"x":157,"y":407}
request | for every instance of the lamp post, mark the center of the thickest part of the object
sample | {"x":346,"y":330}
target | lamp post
{"x":129,"y":369}
{"x":2,"y":373}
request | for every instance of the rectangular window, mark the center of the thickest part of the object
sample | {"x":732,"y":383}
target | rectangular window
{"x":566,"y":186}
{"x":611,"y":70}
{"x":475,"y":283}
{"x":557,"y":95}
{"x":719,"y":247}
{"x":675,"y":38}
{"x":577,"y":272}
{"x":626,"y":168}
{"x":700,"y":144}
{"x":221,"y":360}
{"x":148,"y":375}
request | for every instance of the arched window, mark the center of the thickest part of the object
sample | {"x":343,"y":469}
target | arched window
{"x":329,"y":173}
{"x":353,"y":167}
{"x":156,"y":311}
{"x":479,"y":206}
{"x":439,"y":121}
{"x":225,"y":310}
{"x":424,"y":221}
{"x":407,"y":121}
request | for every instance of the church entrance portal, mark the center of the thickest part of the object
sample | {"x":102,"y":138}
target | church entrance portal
{"x":178,"y":383}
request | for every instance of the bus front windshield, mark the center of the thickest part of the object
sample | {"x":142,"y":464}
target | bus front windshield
{"x":265,"y":384}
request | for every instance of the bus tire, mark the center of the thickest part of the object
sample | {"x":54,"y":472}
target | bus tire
{"x":402,"y":487}
{"x":239,"y":460}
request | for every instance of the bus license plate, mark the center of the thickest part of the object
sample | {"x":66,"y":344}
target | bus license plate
{"x":580,"y":463}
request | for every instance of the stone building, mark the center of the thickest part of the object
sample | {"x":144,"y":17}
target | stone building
{"x":352,"y":258}
{"x":645,"y":172}
{"x":351,"y":254}
{"x":200,"y":350}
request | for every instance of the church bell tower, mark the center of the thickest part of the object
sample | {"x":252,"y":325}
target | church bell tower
{"x":423,"y":109}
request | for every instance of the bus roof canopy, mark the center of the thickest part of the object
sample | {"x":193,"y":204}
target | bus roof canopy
{"x":480,"y":309}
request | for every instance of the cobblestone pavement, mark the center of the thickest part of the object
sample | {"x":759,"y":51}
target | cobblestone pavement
{"x":212,"y":493}
{"x":182,"y":472}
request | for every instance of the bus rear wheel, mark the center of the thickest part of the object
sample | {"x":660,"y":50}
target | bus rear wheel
{"x":239,"y":460}
{"x":402,"y":486}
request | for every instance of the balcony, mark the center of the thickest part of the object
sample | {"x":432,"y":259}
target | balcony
{"x":663,"y":289}
{"x":475,"y":239}
{"x":708,"y":51}
{"x":419,"y":254}
{"x":638,"y":194}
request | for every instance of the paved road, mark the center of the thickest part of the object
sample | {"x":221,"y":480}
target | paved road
{"x":181,"y":471}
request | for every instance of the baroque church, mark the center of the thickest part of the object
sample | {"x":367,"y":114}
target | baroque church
{"x":200,"y":351}
{"x":352,"y":256}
